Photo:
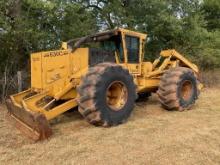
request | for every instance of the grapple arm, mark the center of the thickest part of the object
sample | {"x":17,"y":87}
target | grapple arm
{"x":174,"y":53}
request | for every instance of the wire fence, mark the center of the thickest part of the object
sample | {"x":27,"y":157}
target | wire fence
{"x":13,"y":83}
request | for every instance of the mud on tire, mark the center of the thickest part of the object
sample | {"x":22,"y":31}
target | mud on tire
{"x":178,"y":89}
{"x":99,"y":91}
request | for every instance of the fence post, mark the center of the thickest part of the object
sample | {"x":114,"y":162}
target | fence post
{"x":19,"y":75}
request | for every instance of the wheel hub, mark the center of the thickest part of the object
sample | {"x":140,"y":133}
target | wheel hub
{"x":116,"y":95}
{"x":186,"y":90}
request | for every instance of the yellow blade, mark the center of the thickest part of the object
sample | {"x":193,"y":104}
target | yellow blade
{"x":32,"y":124}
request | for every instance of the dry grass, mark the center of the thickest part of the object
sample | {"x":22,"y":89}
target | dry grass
{"x":151,"y":136}
{"x":211,"y":77}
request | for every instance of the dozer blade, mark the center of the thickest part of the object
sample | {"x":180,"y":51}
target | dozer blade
{"x":32,"y":124}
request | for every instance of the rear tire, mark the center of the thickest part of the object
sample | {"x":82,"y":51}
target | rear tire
{"x":107,"y":95}
{"x":178,"y":89}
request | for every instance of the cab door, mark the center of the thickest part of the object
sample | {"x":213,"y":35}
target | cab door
{"x":132,"y":51}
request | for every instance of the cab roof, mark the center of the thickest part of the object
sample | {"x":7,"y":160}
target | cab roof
{"x":105,"y":35}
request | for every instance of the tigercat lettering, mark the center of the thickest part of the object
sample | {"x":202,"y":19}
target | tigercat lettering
{"x":54,"y":54}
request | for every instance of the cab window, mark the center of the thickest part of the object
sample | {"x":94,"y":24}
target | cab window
{"x":132,"y":45}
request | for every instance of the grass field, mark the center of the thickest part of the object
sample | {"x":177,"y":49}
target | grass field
{"x":151,"y":136}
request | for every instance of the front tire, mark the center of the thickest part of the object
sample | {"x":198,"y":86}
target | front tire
{"x":107,"y":95}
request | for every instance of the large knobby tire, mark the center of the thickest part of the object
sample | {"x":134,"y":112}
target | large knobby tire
{"x":107,"y":95}
{"x":178,"y":89}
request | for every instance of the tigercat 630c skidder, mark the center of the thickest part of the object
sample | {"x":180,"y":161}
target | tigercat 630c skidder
{"x":102,"y":74}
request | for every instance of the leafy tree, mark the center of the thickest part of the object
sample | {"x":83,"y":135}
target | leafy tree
{"x":30,"y":25}
{"x":178,"y":24}
{"x":188,"y":26}
{"x":211,"y":10}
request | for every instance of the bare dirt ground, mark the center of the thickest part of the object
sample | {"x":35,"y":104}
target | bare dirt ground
{"x":151,"y":136}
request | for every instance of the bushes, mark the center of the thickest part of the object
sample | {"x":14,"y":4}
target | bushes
{"x":191,"y":27}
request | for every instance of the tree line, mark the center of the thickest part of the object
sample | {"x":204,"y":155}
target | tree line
{"x":190,"y":26}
